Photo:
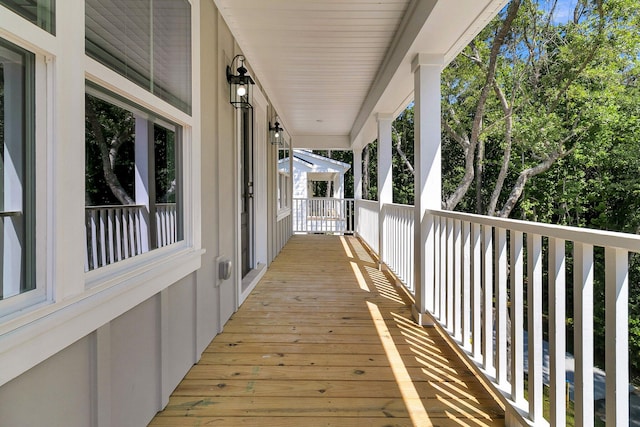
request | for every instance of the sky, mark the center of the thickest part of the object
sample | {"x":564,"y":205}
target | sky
{"x":564,"y":11}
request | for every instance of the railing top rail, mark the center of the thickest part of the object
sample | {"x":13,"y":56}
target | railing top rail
{"x":165,"y":204}
{"x":603,"y":238}
{"x":322,"y":198}
{"x":398,"y":205}
{"x":114,"y":206}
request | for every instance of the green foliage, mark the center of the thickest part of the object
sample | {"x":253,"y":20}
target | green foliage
{"x":343,"y":156}
{"x":165,"y":164}
{"x":572,"y":88}
{"x":114,"y":121}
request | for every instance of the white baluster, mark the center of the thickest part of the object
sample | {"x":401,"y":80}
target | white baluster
{"x":501,"y":306}
{"x":517,"y":317}
{"x":534,"y":314}
{"x":583,"y":333}
{"x":617,"y":336}
{"x":557,"y":333}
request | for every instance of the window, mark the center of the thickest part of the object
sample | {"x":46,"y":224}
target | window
{"x":284,"y":177}
{"x":39,"y":12}
{"x":147,"y":41}
{"x":17,"y":206}
{"x":133,"y":181}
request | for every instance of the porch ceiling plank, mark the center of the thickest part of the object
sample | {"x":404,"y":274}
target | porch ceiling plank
{"x":307,"y":348}
{"x":329,"y":66}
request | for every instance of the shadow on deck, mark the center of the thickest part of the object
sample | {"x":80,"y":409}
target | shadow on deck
{"x":327,"y":340}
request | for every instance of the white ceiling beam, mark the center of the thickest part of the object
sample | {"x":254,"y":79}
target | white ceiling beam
{"x":414,"y":20}
{"x":321,"y":142}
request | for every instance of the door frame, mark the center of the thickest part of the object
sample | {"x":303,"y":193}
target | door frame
{"x":258,"y":243}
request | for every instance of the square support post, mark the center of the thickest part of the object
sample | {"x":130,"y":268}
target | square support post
{"x":385,"y":177}
{"x":427,"y":70}
{"x":357,"y":186}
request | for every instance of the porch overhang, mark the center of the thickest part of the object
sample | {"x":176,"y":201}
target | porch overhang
{"x":329,"y":67}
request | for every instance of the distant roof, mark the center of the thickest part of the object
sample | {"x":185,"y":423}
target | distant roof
{"x":318,"y":163}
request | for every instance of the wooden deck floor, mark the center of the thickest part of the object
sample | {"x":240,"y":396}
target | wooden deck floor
{"x":326,"y":340}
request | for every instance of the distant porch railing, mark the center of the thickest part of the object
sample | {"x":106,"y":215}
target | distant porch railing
{"x":166,"y":230}
{"x":490,"y":275}
{"x":368,"y":213}
{"x":323,"y":215}
{"x":115,"y":233}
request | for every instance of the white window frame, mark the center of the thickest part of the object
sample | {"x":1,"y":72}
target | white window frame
{"x":102,"y":95}
{"x":111,"y":81}
{"x":76,"y":303}
{"x":28,"y":36}
{"x":283,"y":184}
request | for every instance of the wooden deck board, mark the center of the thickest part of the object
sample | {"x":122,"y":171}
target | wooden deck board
{"x":326,"y":340}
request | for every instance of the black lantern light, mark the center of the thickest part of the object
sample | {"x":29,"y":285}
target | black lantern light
{"x":276,"y":134}
{"x":240,"y":84}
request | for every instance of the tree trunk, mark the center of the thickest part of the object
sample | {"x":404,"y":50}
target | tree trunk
{"x":479,"y":173}
{"x":365,"y":173}
{"x":506,"y":156}
{"x":402,"y":154}
{"x":476,"y":128}
{"x":521,"y":182}
{"x":108,"y":154}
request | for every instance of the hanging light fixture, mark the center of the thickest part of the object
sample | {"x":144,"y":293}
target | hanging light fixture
{"x":276,"y":133}
{"x":240,"y":84}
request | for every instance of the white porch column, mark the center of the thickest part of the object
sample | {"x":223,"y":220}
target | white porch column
{"x":66,"y":189}
{"x":357,"y":186}
{"x":143,"y":191}
{"x":385,"y":176}
{"x":338,"y":186}
{"x":426,"y":71}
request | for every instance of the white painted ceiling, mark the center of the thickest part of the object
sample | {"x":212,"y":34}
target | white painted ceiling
{"x":328,"y":66}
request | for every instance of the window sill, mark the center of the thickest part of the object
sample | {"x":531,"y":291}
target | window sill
{"x":44,"y":330}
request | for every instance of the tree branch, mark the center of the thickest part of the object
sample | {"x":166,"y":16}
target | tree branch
{"x":105,"y":154}
{"x":506,"y":157}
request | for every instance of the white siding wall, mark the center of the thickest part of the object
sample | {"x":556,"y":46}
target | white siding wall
{"x":55,"y":393}
{"x":135,"y":365}
{"x":300,"y":190}
{"x":122,"y":373}
{"x":227,"y":163}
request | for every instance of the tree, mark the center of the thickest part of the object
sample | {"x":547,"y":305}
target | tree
{"x":510,"y":92}
{"x":109,"y":131}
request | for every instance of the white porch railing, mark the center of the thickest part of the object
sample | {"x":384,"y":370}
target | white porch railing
{"x":368,"y":212}
{"x":489,"y":280}
{"x":166,"y":231}
{"x":398,"y":242}
{"x":115,"y":233}
{"x":323,"y":215}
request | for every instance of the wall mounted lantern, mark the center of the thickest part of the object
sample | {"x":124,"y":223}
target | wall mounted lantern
{"x":276,"y":134}
{"x":240,"y":85}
